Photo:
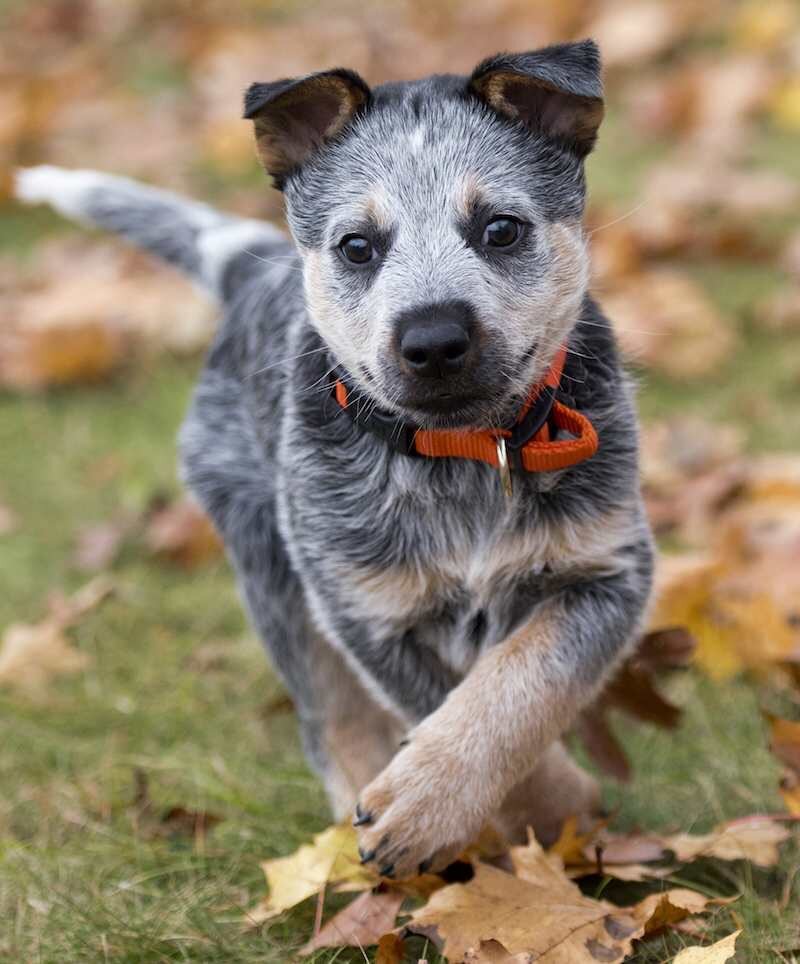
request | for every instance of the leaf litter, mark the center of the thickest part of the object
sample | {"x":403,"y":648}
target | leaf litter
{"x":528,"y":909}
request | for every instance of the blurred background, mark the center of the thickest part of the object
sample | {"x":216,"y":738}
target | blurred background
{"x":137,"y":711}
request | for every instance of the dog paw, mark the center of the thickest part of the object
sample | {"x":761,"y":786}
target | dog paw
{"x":419,"y":813}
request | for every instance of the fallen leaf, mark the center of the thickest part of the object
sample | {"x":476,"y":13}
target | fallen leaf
{"x":628,"y":856}
{"x":756,"y":839}
{"x":541,"y":914}
{"x":633,"y":692}
{"x":32,"y":654}
{"x":716,"y":953}
{"x":332,"y":859}
{"x":390,"y":950}
{"x":361,"y":923}
{"x":178,"y":821}
{"x":785,"y":107}
{"x":8,"y":521}
{"x":182,"y":533}
{"x":665,"y":321}
{"x":97,"y":546}
{"x":785,"y":744}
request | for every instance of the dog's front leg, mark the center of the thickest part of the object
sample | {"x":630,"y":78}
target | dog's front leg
{"x":462,"y":760}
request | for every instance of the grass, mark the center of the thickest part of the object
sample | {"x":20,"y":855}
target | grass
{"x":177,"y":688}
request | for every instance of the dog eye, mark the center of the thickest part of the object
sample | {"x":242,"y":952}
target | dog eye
{"x":356,"y":249}
{"x":501,"y":233}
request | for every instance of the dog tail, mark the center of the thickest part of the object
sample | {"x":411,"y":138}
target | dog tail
{"x":217,"y":251}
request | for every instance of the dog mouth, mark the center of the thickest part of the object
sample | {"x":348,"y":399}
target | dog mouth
{"x":445,"y":403}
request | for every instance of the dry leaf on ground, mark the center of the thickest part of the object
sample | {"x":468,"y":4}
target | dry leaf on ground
{"x":716,"y":953}
{"x":31,"y":654}
{"x":8,"y":521}
{"x":361,"y":923}
{"x":540,"y":912}
{"x":182,"y":533}
{"x":331,"y":859}
{"x":665,"y":321}
{"x":646,"y":856}
{"x":756,"y":838}
{"x":97,"y":546}
{"x":390,"y":950}
{"x":634,"y":693}
{"x":785,"y":744}
{"x":67,"y":330}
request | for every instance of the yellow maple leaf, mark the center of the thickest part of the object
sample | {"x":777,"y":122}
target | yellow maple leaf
{"x":714,"y":954}
{"x":331,"y":859}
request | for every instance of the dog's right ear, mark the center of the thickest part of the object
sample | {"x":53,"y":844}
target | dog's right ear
{"x":555,"y":92}
{"x":294,"y":117}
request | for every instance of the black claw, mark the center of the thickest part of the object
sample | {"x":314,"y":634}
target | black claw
{"x":425,"y":866}
{"x":387,"y":871}
{"x":366,"y":855}
{"x":403,"y":743}
{"x":361,"y":817}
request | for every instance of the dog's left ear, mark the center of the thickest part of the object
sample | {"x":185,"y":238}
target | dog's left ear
{"x":556,"y":91}
{"x":293,"y":118}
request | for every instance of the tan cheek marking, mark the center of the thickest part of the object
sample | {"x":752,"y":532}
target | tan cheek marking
{"x":315,"y":287}
{"x":571,"y":263}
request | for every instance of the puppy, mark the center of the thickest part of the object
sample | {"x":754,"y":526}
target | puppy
{"x":415,"y":437}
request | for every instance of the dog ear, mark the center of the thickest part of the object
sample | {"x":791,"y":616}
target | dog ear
{"x":555,"y":91}
{"x":293,"y":118}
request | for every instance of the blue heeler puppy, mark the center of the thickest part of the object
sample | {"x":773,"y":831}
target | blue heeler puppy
{"x":442,"y":576}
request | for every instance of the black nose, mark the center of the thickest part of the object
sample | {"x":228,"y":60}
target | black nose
{"x":435,"y":350}
{"x":435,"y":342}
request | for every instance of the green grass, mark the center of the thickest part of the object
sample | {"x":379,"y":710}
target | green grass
{"x":178,"y":688}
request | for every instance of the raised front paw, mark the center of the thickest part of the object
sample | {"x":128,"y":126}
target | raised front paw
{"x":419,"y":813}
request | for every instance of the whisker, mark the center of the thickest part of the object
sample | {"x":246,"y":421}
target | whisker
{"x":284,"y":361}
{"x":622,"y":217}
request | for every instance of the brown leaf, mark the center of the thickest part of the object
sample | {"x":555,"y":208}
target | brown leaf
{"x":599,"y":741}
{"x":183,"y":534}
{"x":542,"y":914}
{"x":755,"y":838}
{"x":785,"y":744}
{"x":8,"y":521}
{"x":671,"y":647}
{"x":633,"y":692}
{"x":390,"y":950}
{"x":665,"y":321}
{"x":178,"y":821}
{"x":97,"y":546}
{"x":66,"y":329}
{"x":32,"y":654}
{"x":361,"y":923}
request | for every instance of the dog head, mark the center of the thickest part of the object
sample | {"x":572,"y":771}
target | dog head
{"x":439,"y":223}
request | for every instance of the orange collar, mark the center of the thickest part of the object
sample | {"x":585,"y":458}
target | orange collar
{"x":526,"y":445}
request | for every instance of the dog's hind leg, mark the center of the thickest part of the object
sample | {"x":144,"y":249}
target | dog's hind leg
{"x":558,"y":788}
{"x":347,"y":735}
{"x":216,"y":250}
